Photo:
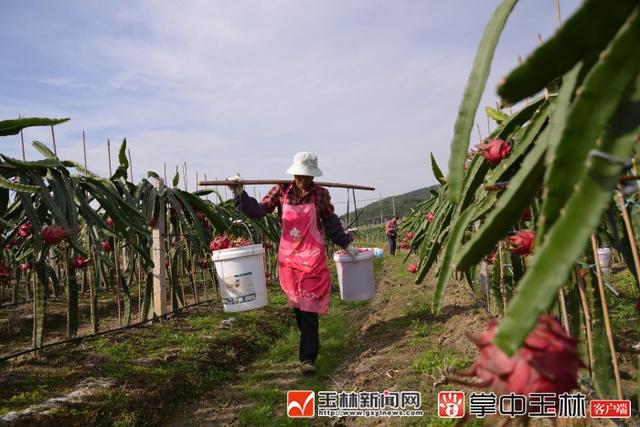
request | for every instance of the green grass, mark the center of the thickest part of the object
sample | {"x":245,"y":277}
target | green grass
{"x":35,"y":390}
{"x":422,"y":329}
{"x":432,"y":361}
{"x":126,"y":420}
{"x":420,"y":307}
{"x":23,"y":400}
{"x":116,"y":351}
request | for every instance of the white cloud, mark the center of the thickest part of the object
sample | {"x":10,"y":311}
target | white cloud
{"x":371,"y":86}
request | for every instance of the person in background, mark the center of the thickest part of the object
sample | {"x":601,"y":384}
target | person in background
{"x":305,"y":210}
{"x":392,"y":229}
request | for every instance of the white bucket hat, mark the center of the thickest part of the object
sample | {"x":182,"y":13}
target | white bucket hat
{"x":304,"y":163}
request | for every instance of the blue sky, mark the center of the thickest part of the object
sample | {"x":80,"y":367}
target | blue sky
{"x":370,"y":86}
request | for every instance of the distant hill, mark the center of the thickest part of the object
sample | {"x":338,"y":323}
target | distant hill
{"x":370,"y":213}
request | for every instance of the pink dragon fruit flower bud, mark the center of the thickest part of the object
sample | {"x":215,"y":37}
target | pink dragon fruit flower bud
{"x":53,"y":234}
{"x":521,"y":243}
{"x":494,"y":151}
{"x":106,"y":246}
{"x":25,"y":229}
{"x":547,"y":362}
{"x":430,"y":217}
{"x":80,"y":262}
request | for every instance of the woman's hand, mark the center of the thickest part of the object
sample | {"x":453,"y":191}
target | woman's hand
{"x":353,"y":252}
{"x":237,"y":189}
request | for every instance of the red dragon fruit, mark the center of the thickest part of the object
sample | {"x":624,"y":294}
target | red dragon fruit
{"x":521,"y":243}
{"x":494,"y":151}
{"x":106,"y":246}
{"x":109,"y":221}
{"x":405,"y":242}
{"x":153,"y":221}
{"x":412,"y":268}
{"x":220,"y":242}
{"x":24,"y":267}
{"x":25,"y":230}
{"x":547,"y":362}
{"x":54,"y":234}
{"x":80,"y":262}
{"x":241,"y":242}
{"x":430,"y":217}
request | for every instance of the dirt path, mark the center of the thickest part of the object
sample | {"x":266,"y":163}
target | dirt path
{"x":392,"y":342}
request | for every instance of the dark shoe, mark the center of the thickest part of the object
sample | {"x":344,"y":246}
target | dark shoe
{"x":307,"y":368}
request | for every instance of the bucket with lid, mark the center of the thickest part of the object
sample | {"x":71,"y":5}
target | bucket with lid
{"x":241,"y":277}
{"x":355,"y":278}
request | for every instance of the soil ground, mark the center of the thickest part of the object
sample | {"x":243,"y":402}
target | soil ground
{"x":205,"y":367}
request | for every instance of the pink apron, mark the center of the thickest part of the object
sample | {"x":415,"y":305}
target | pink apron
{"x":302,"y":263}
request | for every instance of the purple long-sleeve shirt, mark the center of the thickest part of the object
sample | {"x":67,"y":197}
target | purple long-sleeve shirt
{"x":326,"y":217}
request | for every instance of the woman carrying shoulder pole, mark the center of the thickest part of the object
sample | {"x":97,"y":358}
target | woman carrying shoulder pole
{"x":304,"y":209}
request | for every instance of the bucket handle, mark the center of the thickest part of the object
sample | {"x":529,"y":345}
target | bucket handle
{"x":239,"y":221}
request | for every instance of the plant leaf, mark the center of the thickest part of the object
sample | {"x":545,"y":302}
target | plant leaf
{"x":472,"y":94}
{"x":588,"y":31}
{"x":14,"y":126}
{"x":437,"y":173}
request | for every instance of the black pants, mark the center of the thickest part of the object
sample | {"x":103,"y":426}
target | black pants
{"x":392,"y":244}
{"x":309,"y":336}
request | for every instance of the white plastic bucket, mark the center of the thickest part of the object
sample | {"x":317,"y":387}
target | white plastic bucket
{"x":241,"y":278}
{"x":604,"y":257}
{"x":378,"y":252}
{"x":356,"y":278}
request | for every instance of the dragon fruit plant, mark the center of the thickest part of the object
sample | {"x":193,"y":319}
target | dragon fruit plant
{"x":537,"y":188}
